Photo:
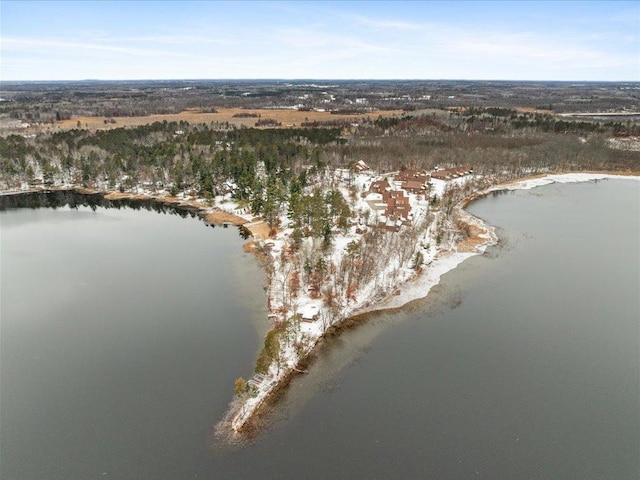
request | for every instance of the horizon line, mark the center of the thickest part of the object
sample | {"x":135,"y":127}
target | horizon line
{"x":300,"y":79}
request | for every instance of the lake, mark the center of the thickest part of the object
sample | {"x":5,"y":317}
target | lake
{"x":120,"y":345}
{"x":122,"y":334}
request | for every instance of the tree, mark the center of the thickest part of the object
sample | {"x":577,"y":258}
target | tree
{"x":270,"y":352}
{"x":326,"y":235}
{"x":343,"y":219}
{"x":257,"y":200}
{"x":29,"y":172}
{"x":240,"y":386}
{"x":295,"y":209}
{"x":353,"y":249}
{"x":296,"y":236}
{"x":417,"y":261}
{"x":271,"y":207}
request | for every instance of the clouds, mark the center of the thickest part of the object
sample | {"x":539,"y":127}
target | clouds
{"x":383,"y":24}
{"x":337,"y":40}
{"x":45,"y":47}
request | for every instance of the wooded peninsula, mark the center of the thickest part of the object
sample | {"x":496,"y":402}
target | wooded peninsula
{"x":350,"y":190}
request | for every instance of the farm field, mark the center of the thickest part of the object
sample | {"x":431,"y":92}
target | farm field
{"x":287,"y":117}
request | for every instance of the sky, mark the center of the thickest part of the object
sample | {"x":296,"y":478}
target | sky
{"x":473,"y":40}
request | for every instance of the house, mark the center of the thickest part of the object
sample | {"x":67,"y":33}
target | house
{"x":390,"y":206}
{"x":415,"y":186}
{"x":412,"y":174}
{"x":376,"y":202}
{"x":397,"y":205}
{"x":414,"y":180}
{"x":450,"y":173}
{"x":360,"y":166}
{"x":310,"y":313}
{"x":379,"y":186}
{"x":258,"y":382}
{"x":444,"y":174}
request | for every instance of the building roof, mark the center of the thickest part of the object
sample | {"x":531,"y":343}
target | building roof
{"x":414,"y":185}
{"x":449,"y":173}
{"x":310,"y":311}
{"x":379,"y":186}
{"x":413,"y":174}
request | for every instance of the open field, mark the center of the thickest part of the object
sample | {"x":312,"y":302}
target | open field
{"x":288,"y":118}
{"x":533,"y":110}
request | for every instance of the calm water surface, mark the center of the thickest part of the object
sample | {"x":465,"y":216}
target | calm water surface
{"x":525,"y":363}
{"x":122,"y":334}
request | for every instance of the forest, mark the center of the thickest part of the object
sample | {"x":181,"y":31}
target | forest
{"x":210,"y":159}
{"x":289,"y":172}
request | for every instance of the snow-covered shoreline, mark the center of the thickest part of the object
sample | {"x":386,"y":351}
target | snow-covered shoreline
{"x":529,"y":183}
{"x":210,"y":214}
{"x":418,"y":286}
{"x":411,"y":285}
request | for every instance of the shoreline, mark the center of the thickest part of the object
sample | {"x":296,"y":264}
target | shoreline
{"x":209,"y":214}
{"x":452,"y":259}
{"x":236,"y":425}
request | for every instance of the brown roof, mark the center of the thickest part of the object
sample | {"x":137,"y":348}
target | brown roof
{"x":379,"y":186}
{"x":448,"y":173}
{"x":397,"y":203}
{"x":414,"y":185}
{"x":413,"y":174}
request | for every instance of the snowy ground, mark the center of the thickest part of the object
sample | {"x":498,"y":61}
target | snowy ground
{"x":528,"y":184}
{"x":438,"y":262}
{"x":394,"y":276}
{"x":420,"y":287}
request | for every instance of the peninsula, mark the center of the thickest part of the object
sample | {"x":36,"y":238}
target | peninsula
{"x":380,"y":260}
{"x":353,"y":206}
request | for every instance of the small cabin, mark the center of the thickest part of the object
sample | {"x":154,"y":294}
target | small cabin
{"x":310,"y":313}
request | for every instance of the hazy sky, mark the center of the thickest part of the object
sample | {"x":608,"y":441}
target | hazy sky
{"x":510,"y":40}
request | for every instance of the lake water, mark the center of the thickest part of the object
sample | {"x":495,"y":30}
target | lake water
{"x":122,"y":334}
{"x":524,"y":363}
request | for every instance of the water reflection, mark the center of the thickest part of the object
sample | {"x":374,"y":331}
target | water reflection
{"x":55,"y":199}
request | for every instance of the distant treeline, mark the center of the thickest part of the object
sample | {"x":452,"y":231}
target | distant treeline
{"x":265,"y":166}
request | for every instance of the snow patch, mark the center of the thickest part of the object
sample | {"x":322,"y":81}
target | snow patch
{"x":530,"y":183}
